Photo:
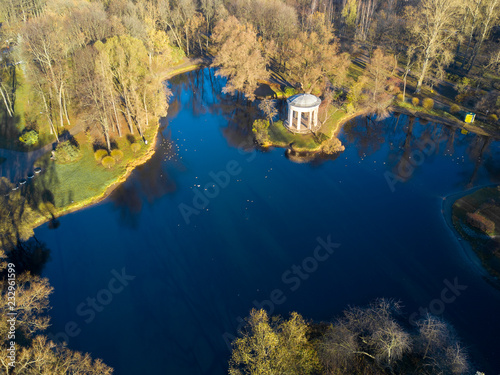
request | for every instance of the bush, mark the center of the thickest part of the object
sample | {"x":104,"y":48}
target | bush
{"x":260,"y":129}
{"x":492,"y":117}
{"x":455,"y":108}
{"x":332,"y":146}
{"x":66,"y":152}
{"x":117,"y":154}
{"x":100,"y":154}
{"x":400,"y":98}
{"x":290,"y":91}
{"x":29,"y":138}
{"x":428,"y":103}
{"x":135,"y":147}
{"x":415,"y":101}
{"x":108,"y":162}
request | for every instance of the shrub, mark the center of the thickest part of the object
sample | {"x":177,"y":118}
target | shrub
{"x":349,"y":108}
{"x":492,"y":117}
{"x":455,"y":108}
{"x":428,"y":103}
{"x":117,"y":154}
{"x":332,"y":146}
{"x":135,"y":147}
{"x":290,"y":91}
{"x":100,"y":154}
{"x":108,"y":162}
{"x":260,"y":129}
{"x":400,"y":98}
{"x":29,"y":138}
{"x":415,"y":101}
{"x":66,"y":152}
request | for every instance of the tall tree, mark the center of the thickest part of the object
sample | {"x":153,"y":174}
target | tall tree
{"x":482,"y":17}
{"x":433,"y":27}
{"x":313,"y":57}
{"x":240,"y":56}
{"x":46,"y":52}
{"x":273,"y":347}
{"x":379,"y":71}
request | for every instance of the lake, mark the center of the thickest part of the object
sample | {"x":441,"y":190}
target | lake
{"x":157,"y":278}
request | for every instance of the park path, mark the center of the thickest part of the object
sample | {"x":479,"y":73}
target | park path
{"x":18,"y":164}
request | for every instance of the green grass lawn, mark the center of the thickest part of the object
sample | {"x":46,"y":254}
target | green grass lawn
{"x":80,"y":181}
{"x":479,"y":127}
{"x":281,"y":137}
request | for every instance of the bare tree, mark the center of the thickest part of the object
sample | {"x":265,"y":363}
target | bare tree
{"x":433,"y":27}
{"x":268,"y":106}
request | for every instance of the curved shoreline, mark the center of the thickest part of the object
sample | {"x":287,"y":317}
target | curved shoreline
{"x":341,"y":122}
{"x":467,"y":250}
{"x":192,"y":65}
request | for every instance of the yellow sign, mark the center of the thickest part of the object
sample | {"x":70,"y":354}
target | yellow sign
{"x":469,"y":117}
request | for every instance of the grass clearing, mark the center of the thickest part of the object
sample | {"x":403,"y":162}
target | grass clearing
{"x":280,"y":136}
{"x":80,"y":181}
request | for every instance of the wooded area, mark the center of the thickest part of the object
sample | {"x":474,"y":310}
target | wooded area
{"x":364,"y":340}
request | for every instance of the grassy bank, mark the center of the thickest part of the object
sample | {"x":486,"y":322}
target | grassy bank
{"x":442,"y":115}
{"x":280,"y":136}
{"x":477,"y":218}
{"x":86,"y":182}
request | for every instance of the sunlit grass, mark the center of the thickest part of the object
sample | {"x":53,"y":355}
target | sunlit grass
{"x":84,"y":179}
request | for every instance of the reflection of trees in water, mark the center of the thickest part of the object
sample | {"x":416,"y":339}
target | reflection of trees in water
{"x":29,"y":256}
{"x":491,"y":157}
{"x":412,"y":142}
{"x":207,"y":97}
{"x":150,"y":181}
{"x":475,"y":152}
{"x":366,"y":133}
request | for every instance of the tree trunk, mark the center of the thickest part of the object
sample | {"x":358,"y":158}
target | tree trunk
{"x":65,"y":108}
{"x":5,"y":101}
{"x":422,"y":75}
{"x":404,"y":84}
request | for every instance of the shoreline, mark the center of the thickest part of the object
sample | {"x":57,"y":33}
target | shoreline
{"x":338,"y":127}
{"x":197,"y":63}
{"x":467,"y":250}
{"x":445,"y":121}
{"x":190,"y":65}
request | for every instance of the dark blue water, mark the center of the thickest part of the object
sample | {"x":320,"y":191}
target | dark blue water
{"x":189,"y":279}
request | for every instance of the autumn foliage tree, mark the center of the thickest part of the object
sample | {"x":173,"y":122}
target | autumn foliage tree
{"x":433,"y":27}
{"x":312,"y":58}
{"x":274,"y":346}
{"x":240,"y":56}
{"x":35,"y":353}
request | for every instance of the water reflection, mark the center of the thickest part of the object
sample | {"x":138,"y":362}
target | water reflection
{"x":193,"y":280}
{"x":412,"y":143}
{"x":151,"y":180}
